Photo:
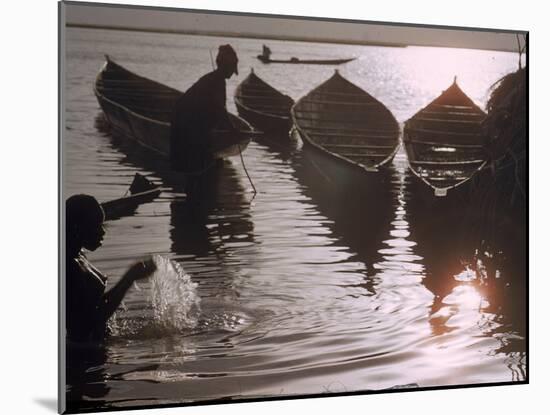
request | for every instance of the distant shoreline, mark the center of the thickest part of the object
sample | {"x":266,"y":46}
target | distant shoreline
{"x":237,"y":35}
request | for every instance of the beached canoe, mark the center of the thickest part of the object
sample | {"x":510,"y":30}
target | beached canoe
{"x":141,"y":191}
{"x":141,"y":109}
{"x":444,"y":141}
{"x":344,"y":122}
{"x":262,"y":105}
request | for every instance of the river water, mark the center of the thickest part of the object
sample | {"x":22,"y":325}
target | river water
{"x":288,"y":293}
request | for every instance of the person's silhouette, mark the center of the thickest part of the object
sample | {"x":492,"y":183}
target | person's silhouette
{"x":88,"y":306}
{"x":197,"y":112}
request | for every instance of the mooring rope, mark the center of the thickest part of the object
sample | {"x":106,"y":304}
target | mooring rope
{"x":245,"y":170}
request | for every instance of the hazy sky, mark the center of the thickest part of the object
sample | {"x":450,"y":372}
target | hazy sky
{"x":155,"y":19}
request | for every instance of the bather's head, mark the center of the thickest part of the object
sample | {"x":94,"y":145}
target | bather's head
{"x":84,"y":223}
{"x":227,"y":61}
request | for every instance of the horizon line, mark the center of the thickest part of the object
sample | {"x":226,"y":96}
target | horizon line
{"x":267,"y":37}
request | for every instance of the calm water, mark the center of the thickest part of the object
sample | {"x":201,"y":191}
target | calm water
{"x":288,"y":292}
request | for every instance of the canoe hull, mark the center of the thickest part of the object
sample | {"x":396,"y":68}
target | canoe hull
{"x":444,"y":144}
{"x":125,"y":206}
{"x":141,"y":191}
{"x":151,"y":134}
{"x":265,"y":122}
{"x":423,"y":198}
{"x":341,"y":178}
{"x":265,"y":60}
{"x":122,"y":95}
{"x":266,"y":108}
{"x":359,"y":205}
{"x":349,"y":125}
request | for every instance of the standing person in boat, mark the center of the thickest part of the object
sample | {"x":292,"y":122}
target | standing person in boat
{"x":266,"y":52}
{"x":88,"y":306}
{"x":199,"y":110}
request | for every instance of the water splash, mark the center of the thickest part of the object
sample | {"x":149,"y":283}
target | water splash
{"x":176,"y":304}
{"x":118,"y":325}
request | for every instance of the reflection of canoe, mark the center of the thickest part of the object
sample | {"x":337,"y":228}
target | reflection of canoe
{"x":444,"y":141}
{"x":359,"y":213}
{"x":141,"y":109}
{"x":262,"y":105}
{"x":347,"y":124}
{"x":264,"y":59}
{"x":141,"y":191}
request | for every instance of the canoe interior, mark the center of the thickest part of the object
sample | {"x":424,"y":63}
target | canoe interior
{"x":342,"y":119}
{"x":226,"y":143}
{"x":256,"y":94}
{"x":444,"y":140}
{"x":140,"y":95}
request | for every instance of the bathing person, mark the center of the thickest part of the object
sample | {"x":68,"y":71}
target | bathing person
{"x":88,"y":306}
{"x":197,"y":112}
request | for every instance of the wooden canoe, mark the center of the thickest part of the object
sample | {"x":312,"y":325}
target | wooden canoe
{"x":444,"y":141}
{"x":141,"y":109}
{"x":141,"y":191}
{"x":297,"y":61}
{"x":346,"y":123}
{"x":262,"y":105}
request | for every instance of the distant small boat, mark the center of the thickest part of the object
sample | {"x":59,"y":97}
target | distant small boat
{"x":444,"y":141}
{"x":141,"y":109}
{"x":141,"y":191}
{"x":347,"y":124}
{"x":298,"y":61}
{"x":265,"y":57}
{"x":262,"y":105}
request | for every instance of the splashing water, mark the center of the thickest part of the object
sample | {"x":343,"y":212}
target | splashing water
{"x":176,"y":304}
{"x":174,"y":301}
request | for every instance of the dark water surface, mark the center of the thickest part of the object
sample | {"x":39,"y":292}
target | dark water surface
{"x":291,"y":291}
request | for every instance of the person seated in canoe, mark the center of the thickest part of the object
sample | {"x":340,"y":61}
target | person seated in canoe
{"x":201,"y":109}
{"x":88,"y":306}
